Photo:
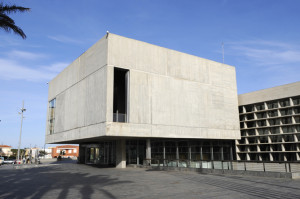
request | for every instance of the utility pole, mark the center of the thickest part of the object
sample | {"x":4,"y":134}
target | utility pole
{"x":21,"y":113}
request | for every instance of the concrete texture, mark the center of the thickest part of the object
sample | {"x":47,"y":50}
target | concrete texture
{"x":284,"y":91}
{"x":121,"y":154}
{"x":69,"y":180}
{"x":172,"y":94}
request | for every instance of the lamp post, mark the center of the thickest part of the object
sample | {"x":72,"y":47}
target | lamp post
{"x":22,"y":110}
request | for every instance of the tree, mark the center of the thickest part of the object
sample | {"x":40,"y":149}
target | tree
{"x":42,"y":153}
{"x":15,"y":152}
{"x":7,"y":23}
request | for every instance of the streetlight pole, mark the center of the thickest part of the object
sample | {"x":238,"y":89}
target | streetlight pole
{"x":22,"y":110}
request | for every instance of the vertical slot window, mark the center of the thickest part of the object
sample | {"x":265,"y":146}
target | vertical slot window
{"x":52,"y":105}
{"x":121,"y":95}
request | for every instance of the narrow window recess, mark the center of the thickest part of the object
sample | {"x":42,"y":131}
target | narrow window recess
{"x":52,"y":106}
{"x":121,"y":95}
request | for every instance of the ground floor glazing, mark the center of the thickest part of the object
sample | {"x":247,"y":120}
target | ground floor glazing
{"x":156,"y":151}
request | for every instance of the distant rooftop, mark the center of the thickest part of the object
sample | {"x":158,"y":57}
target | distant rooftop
{"x":3,"y":146}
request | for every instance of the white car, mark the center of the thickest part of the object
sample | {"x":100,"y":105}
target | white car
{"x":9,"y":161}
{"x":1,"y":160}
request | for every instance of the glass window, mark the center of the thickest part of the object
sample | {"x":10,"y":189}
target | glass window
{"x":249,"y":108}
{"x":286,"y":120}
{"x":240,"y":109}
{"x":260,"y":106}
{"x":273,"y":104}
{"x":296,"y":100}
{"x":273,"y":113}
{"x":261,"y":115}
{"x":284,"y":102}
{"x":52,"y":105}
{"x":261,"y":123}
{"x":250,"y":116}
{"x":297,"y":119}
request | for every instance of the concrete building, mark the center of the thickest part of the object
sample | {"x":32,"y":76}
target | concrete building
{"x":125,"y":102}
{"x":270,"y":124}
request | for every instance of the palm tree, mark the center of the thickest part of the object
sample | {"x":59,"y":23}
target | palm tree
{"x":8,"y":23}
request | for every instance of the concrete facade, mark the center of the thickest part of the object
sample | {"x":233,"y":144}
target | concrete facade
{"x":270,"y":124}
{"x":170,"y":95}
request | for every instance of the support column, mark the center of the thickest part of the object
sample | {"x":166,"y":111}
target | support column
{"x":190,"y":154}
{"x":177,"y":154}
{"x":271,"y":156}
{"x":201,"y":153}
{"x":231,"y":153}
{"x":212,"y":155}
{"x":222,"y":153}
{"x":137,"y":153}
{"x":85,"y":155}
{"x":297,"y":157}
{"x":164,"y":152}
{"x":121,"y":154}
{"x":211,"y":152}
{"x":148,"y":151}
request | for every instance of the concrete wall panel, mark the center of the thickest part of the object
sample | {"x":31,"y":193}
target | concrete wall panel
{"x":132,"y":54}
{"x":74,"y":135}
{"x":95,"y":98}
{"x":278,"y":92}
{"x":140,"y":97}
{"x":178,"y":102}
{"x":90,"y":61}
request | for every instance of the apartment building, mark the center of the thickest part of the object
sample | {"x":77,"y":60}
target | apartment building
{"x":270,"y":124}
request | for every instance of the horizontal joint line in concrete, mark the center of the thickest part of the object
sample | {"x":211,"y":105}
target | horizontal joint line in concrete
{"x":79,"y":81}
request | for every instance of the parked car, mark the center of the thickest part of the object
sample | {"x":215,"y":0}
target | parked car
{"x":9,"y":161}
{"x":1,"y":160}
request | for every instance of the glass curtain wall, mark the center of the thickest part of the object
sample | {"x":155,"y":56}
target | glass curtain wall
{"x":102,"y":154}
{"x":135,"y":151}
{"x":198,"y":150}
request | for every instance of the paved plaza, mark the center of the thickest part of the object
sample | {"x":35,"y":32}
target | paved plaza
{"x":66,"y":179}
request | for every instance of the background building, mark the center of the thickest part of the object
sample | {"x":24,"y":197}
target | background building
{"x":65,"y":151}
{"x":5,"y":150}
{"x":270,"y":124}
{"x":126,"y":101}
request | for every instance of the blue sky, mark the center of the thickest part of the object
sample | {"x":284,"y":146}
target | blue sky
{"x":261,"y":39}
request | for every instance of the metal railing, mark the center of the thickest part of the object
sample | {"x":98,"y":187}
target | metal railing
{"x":287,"y":167}
{"x":119,"y":117}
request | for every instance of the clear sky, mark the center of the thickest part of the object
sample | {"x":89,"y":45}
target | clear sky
{"x":261,"y":39}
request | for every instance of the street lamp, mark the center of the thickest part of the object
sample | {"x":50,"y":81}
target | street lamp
{"x":21,"y":113}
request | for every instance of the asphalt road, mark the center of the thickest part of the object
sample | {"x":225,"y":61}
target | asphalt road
{"x":66,"y":179}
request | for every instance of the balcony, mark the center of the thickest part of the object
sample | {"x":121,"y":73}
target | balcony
{"x":119,"y":117}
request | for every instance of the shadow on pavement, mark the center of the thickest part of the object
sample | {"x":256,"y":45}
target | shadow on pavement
{"x":54,"y":181}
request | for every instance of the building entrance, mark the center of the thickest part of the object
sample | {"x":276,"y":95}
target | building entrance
{"x":102,"y":154}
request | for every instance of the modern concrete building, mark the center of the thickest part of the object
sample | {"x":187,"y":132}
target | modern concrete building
{"x":270,"y":124}
{"x":125,"y":102}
